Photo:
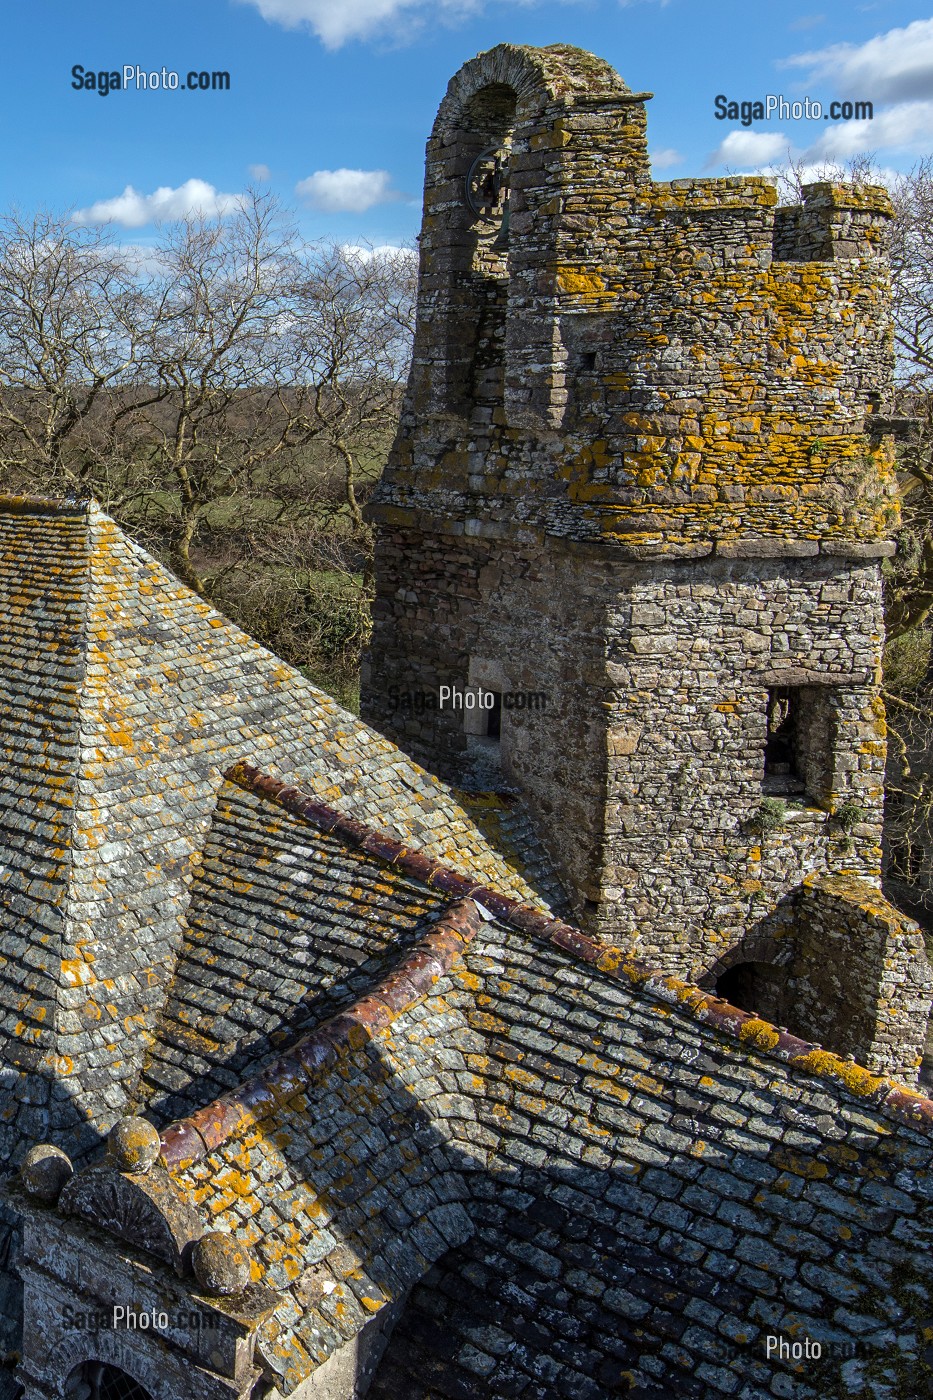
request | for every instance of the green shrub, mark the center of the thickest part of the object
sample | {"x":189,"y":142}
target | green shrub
{"x":771,"y":816}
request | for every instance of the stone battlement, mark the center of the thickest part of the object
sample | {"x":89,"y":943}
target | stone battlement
{"x":602,"y":357}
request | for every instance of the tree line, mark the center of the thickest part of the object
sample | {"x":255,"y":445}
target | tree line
{"x":227,"y":395}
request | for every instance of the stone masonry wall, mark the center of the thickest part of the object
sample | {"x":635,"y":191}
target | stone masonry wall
{"x":471,"y":601}
{"x":692,"y":653}
{"x":645,"y":769}
{"x":658,"y":364}
{"x":860,"y":980}
{"x":635,"y":470}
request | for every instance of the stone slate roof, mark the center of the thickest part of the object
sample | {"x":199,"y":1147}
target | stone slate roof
{"x":402,"y":1082}
{"x":346,"y":1192}
{"x":124,"y":699}
{"x":284,"y":925}
{"x":643,"y":1180}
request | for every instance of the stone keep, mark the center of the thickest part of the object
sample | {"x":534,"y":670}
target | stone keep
{"x":641,"y":474}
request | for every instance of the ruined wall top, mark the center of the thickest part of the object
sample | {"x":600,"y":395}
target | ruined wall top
{"x":557,"y":75}
{"x":657,"y":365}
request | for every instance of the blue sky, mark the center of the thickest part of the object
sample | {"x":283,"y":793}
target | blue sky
{"x":331,"y":100}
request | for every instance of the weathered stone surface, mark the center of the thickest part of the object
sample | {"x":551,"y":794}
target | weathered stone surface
{"x":220,"y":1263}
{"x":146,"y":1211}
{"x":133,"y":1145}
{"x":44,"y":1172}
{"x":654,"y":407}
{"x":125,"y":699}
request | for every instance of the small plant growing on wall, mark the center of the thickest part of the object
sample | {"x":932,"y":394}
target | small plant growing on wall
{"x":770,"y":817}
{"x":847,"y":817}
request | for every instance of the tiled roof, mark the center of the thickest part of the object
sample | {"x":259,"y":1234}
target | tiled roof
{"x":284,"y":925}
{"x":124,"y":698}
{"x":342,"y":1187}
{"x":649,"y":1177}
{"x":593,"y":1176}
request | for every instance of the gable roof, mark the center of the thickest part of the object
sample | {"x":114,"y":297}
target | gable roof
{"x":639,"y":1176}
{"x":285,"y":923}
{"x":124,"y":697}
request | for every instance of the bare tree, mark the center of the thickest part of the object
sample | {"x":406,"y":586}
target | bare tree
{"x":70,"y":329}
{"x":231,"y":402}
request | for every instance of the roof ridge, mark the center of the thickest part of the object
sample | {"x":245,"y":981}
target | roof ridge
{"x":896,"y":1100}
{"x":192,"y":1138}
{"x":44,"y":505}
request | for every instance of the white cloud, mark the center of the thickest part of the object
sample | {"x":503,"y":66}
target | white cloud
{"x":663,"y":160}
{"x":259,"y":172}
{"x":364,"y":252}
{"x":892,"y":67}
{"x":134,"y":210}
{"x":744,"y":149}
{"x":336,"y":23}
{"x":346,"y":191}
{"x":905,"y":126}
{"x":893,"y":71}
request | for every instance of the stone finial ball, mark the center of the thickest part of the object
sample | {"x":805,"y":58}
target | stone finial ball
{"x":134,"y":1145}
{"x":220,"y":1264}
{"x":44,"y":1172}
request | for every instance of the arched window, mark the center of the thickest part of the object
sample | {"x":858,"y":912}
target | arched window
{"x":98,"y":1380}
{"x":488,"y":123}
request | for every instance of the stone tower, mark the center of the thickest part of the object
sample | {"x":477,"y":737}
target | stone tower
{"x":637,"y":499}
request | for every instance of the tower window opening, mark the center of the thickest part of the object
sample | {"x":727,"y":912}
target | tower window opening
{"x":783,"y":761}
{"x":494,"y":718}
{"x":800,"y":744}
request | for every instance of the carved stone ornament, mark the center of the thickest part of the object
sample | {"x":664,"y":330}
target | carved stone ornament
{"x":221,"y":1264}
{"x":44,"y":1172}
{"x":134,"y":1145}
{"x":148,"y":1212}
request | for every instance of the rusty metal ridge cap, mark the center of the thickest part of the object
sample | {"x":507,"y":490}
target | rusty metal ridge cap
{"x":886,"y":1095}
{"x":190,"y":1139}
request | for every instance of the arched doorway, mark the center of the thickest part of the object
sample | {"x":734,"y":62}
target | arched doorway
{"x":488,"y":122}
{"x":754,"y":986}
{"x":98,"y":1380}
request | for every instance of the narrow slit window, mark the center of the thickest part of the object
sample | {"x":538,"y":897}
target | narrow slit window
{"x":494,"y":718}
{"x":783,"y":759}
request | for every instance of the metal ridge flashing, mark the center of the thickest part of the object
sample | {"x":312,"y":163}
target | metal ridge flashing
{"x":192,"y":1138}
{"x":896,"y":1100}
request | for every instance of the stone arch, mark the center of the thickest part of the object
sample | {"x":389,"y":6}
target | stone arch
{"x":539,"y":77}
{"x":755,"y":975}
{"x":488,"y":333}
{"x":66,"y":1369}
{"x":101,"y":1380}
